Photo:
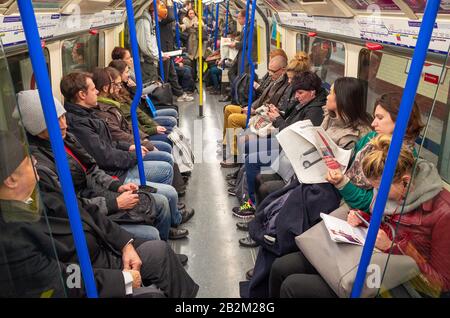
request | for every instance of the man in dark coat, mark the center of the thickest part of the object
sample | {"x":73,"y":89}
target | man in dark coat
{"x":29,"y":265}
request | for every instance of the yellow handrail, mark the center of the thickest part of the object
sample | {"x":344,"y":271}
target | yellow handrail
{"x":200,"y":58}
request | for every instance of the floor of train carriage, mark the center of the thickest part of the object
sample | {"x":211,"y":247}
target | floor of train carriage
{"x":216,"y":261}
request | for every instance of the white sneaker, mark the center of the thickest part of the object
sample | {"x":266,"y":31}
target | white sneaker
{"x":188,"y":98}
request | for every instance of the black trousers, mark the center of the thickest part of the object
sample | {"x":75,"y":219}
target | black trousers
{"x":170,"y":76}
{"x":265,"y":184}
{"x":293,"y":276}
{"x":161,"y":267}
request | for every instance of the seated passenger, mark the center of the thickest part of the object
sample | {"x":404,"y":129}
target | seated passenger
{"x":353,"y":186}
{"x":146,"y":123}
{"x":235,"y":116}
{"x":92,"y":185}
{"x":31,"y":266}
{"x":422,"y":228}
{"x":116,"y":158}
{"x":109,"y":82}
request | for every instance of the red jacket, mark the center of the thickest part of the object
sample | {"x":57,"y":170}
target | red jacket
{"x":424,"y":235}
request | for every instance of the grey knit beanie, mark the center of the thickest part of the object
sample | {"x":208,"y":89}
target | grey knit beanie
{"x":31,"y":113}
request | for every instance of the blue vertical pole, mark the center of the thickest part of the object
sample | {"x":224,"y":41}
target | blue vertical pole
{"x":177,"y":24}
{"x":158,"y":38}
{"x":206,"y":14}
{"x":216,"y":30}
{"x":401,"y":125}
{"x":244,"y":38}
{"x":250,"y":62}
{"x":48,"y":105}
{"x":137,"y":95}
{"x":226,"y":18}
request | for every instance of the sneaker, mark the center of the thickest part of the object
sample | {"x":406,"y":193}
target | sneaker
{"x":245,"y":211}
{"x":231,"y":192}
{"x":181,"y":206}
{"x":177,"y":233}
{"x":243,"y":226}
{"x":247,"y":242}
{"x":187,"y":98}
{"x":186,"y":215}
{"x":229,"y":164}
{"x":225,"y":99}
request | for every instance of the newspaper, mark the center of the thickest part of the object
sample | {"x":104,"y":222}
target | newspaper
{"x":342,"y":232}
{"x":307,"y":147}
{"x":226,"y":52}
{"x":173,"y":53}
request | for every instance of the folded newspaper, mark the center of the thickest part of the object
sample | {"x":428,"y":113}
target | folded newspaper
{"x":226,"y":52}
{"x":307,"y":146}
{"x":342,"y":232}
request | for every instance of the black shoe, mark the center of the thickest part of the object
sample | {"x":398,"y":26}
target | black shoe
{"x":231,"y":192}
{"x":187,"y":173}
{"x":247,"y":242}
{"x":181,"y":206}
{"x":225,"y":99}
{"x":181,"y":193}
{"x":186,"y":215}
{"x":232,"y":183}
{"x":249,"y":274}
{"x":186,"y":180}
{"x":177,"y":233}
{"x":232,"y":176}
{"x":243,"y":226}
{"x":182,"y":258}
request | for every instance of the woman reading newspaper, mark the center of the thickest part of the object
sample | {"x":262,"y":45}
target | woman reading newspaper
{"x":420,"y":217}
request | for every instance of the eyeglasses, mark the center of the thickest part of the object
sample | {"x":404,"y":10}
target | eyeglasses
{"x":117,"y":85}
{"x":273,"y":72}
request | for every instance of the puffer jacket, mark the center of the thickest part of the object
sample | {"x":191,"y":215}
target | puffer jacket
{"x":92,"y":185}
{"x":94,"y":135}
{"x":424,"y":228}
{"x":109,"y":110}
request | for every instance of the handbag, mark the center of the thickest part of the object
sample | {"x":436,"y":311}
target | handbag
{"x":181,"y":150}
{"x":160,"y":93}
{"x":337,"y":263}
{"x":143,"y":213}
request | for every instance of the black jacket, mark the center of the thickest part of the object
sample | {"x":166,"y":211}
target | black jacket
{"x":166,"y":31}
{"x":92,"y":185}
{"x":312,"y":111}
{"x":94,"y":135}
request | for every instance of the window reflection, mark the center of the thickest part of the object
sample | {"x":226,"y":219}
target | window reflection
{"x":80,"y":54}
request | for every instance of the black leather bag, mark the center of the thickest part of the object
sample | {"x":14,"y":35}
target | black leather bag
{"x":159,"y":93}
{"x":143,"y":213}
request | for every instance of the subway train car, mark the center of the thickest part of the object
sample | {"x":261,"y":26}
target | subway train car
{"x":225,"y":149}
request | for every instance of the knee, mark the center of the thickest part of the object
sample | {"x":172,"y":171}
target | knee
{"x":289,"y":288}
{"x":235,"y":121}
{"x":156,"y":249}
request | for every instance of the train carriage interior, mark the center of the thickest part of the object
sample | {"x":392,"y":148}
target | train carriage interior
{"x":232,"y":225}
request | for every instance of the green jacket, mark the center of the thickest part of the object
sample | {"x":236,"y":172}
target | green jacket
{"x":146,"y":123}
{"x":354,"y":196}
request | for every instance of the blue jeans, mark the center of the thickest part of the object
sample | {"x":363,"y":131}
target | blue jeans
{"x":146,"y":232}
{"x":162,"y":145}
{"x":216,"y":76}
{"x":155,"y":171}
{"x":166,"y":121}
{"x":253,"y":164}
{"x":185,"y":78}
{"x":160,"y":137}
{"x":167,"y":112}
{"x":159,"y":156}
{"x":169,"y":192}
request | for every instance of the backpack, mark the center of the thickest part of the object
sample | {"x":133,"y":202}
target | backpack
{"x":241,"y":86}
{"x":143,"y":213}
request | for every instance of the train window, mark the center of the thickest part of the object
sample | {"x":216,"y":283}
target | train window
{"x":327,"y":57}
{"x":81,"y":53}
{"x":384,"y":72}
{"x":22,"y":71}
{"x":28,"y":262}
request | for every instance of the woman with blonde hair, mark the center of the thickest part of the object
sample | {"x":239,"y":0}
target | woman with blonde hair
{"x":419,"y":213}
